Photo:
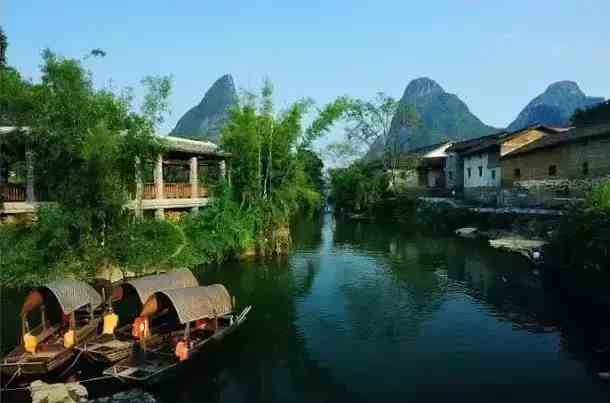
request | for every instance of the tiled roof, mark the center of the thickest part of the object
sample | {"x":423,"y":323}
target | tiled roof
{"x":471,"y":143}
{"x":496,"y":140}
{"x":564,"y":137}
{"x":192,"y":146}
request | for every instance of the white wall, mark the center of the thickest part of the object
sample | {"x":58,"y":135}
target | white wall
{"x":486,"y":179}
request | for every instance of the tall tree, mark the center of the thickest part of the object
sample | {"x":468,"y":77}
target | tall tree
{"x":3,"y":46}
{"x":275,"y":162}
{"x":597,"y":114}
{"x":369,"y":126}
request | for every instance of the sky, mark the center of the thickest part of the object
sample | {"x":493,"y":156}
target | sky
{"x":495,"y":55}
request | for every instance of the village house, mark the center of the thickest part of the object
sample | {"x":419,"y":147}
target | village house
{"x":431,"y":167}
{"x":422,"y":167}
{"x":454,"y":164}
{"x":482,"y":167}
{"x":176,"y":181}
{"x":566,"y":164}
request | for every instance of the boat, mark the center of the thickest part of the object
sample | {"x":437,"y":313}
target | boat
{"x":114,"y":344}
{"x":70,"y":312}
{"x":197,"y":318}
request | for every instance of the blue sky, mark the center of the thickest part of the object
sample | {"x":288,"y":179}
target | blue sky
{"x":496,"y":57}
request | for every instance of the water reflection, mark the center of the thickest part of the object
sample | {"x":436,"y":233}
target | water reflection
{"x":366,"y":312}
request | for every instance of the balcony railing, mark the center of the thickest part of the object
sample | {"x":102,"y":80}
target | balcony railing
{"x":173,"y":191}
{"x":13,"y":193}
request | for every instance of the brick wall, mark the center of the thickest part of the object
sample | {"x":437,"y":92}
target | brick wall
{"x":571,"y":161}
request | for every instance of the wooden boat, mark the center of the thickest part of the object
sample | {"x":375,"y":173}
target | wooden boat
{"x":69,"y":315}
{"x":200,"y":316}
{"x":114,"y":345}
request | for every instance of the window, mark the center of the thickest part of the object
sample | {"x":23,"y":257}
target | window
{"x":585,"y":168}
{"x":469,"y":172}
{"x":493,"y":174}
{"x":552,"y":170}
{"x":450,"y":175}
{"x":517,"y":173}
{"x":480,"y":171}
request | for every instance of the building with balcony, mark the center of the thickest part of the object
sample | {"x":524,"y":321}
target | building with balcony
{"x":178,"y":180}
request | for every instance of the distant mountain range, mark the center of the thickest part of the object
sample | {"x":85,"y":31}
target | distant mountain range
{"x":555,"y":106}
{"x":443,"y":116}
{"x":205,"y":120}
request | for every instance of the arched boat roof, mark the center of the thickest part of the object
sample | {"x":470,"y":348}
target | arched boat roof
{"x":199,"y":302}
{"x":73,"y":294}
{"x":147,"y":286}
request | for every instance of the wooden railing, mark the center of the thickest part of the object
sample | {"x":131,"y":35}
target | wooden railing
{"x":13,"y":193}
{"x":149,"y":191}
{"x":177,"y":190}
{"x":173,"y":191}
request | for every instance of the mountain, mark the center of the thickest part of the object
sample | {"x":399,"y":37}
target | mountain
{"x":443,"y":116}
{"x":555,"y":106}
{"x":205,"y":120}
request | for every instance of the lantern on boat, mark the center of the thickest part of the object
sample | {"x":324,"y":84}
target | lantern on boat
{"x":30,"y":342}
{"x":111,"y":320}
{"x":69,"y":338}
{"x":182,"y":350}
{"x":140,"y":329}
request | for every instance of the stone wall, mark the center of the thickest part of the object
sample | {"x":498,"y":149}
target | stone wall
{"x":549,"y":193}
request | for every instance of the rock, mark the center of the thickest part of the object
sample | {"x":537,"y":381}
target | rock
{"x":467,"y":232}
{"x":526,"y":247}
{"x":133,"y":395}
{"x":42,"y":392}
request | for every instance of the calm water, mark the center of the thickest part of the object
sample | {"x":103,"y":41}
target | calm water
{"x":363,"y":312}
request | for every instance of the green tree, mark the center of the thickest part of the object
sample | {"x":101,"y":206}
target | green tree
{"x":598,"y":114}
{"x":369,"y":123}
{"x":272,"y":147}
{"x":85,"y":142}
{"x":3,"y":46}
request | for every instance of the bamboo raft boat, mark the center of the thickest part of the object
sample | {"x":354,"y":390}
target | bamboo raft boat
{"x":114,"y":345}
{"x":196,"y":318}
{"x":70,"y":312}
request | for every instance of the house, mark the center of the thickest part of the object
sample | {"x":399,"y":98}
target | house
{"x":482,"y":170}
{"x":175,"y":181}
{"x":422,"y":167}
{"x":454,"y":165}
{"x":431,"y":167}
{"x":570,"y":160}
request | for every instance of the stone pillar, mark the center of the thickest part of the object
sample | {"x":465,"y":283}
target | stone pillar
{"x":30,"y":196}
{"x":139,"y":189}
{"x":194,"y":179}
{"x":159,"y":186}
{"x":222,"y":167}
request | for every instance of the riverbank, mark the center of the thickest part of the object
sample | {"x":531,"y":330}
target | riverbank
{"x":47,"y":249}
{"x":578,"y":238}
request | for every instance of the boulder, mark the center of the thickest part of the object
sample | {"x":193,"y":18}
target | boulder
{"x":467,"y":232}
{"x":72,"y":392}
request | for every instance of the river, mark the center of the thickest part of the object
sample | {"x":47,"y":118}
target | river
{"x":366,"y":312}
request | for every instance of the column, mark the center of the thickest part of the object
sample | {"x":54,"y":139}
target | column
{"x":139,"y":188}
{"x":159,"y":186}
{"x":30,"y":196}
{"x":222,"y":167}
{"x":194,"y":179}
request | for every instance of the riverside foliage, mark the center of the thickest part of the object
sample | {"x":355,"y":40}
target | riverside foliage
{"x":86,"y":142}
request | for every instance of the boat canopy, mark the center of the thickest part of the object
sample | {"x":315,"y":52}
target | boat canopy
{"x":147,"y":286}
{"x":73,"y":294}
{"x":199,"y":302}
